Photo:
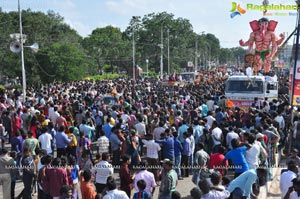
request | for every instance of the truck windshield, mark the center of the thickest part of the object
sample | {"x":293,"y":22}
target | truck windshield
{"x":244,"y":86}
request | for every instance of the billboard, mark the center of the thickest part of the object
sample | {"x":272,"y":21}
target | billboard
{"x":296,"y":86}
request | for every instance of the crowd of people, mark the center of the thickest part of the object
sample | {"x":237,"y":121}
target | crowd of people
{"x":67,"y":140}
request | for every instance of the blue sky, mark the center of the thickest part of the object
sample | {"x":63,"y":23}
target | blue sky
{"x":211,"y":16}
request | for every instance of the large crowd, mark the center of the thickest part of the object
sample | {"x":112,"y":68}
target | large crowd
{"x":68,"y":139}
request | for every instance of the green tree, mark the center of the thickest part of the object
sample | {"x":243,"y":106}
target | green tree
{"x":66,"y":62}
{"x":155,"y":29}
{"x":107,"y":46}
{"x":225,"y":56}
{"x":238,"y":54}
{"x":45,"y":29}
{"x":63,"y":52}
{"x":148,"y":31}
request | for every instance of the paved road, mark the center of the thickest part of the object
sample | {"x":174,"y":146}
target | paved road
{"x":184,"y":187}
{"x":270,"y":191}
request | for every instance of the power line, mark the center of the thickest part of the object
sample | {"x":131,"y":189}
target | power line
{"x":38,"y":64}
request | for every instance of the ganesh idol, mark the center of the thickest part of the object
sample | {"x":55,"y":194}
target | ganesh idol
{"x":266,"y":43}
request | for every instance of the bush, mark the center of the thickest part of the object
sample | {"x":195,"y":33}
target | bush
{"x":108,"y":68}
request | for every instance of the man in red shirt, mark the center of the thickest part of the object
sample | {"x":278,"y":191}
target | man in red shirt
{"x":57,"y":177}
{"x":216,"y":159}
{"x":126,"y":179}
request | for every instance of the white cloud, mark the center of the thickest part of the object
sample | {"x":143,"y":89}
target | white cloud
{"x":63,"y":4}
{"x":82,"y":29}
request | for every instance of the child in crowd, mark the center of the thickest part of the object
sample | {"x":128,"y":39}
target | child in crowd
{"x":175,"y":195}
{"x":66,"y":192}
{"x":195,"y":193}
{"x":142,"y":194}
{"x":216,"y":179}
{"x":73,"y":173}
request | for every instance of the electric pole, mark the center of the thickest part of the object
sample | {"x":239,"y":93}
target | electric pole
{"x":161,"y":53}
{"x":169,"y":52}
{"x":196,"y":54}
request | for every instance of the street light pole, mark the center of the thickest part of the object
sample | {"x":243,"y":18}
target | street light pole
{"x":22,"y":53}
{"x":169,"y":52}
{"x":147,"y":62}
{"x":209,"y":54}
{"x":196,"y":54}
{"x":161,"y":53}
{"x":133,"y":56}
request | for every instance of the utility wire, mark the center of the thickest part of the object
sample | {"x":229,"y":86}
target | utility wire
{"x":38,"y":64}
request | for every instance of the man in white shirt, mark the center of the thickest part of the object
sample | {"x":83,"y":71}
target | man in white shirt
{"x":159,"y":130}
{"x":209,"y":191}
{"x":279,"y":118}
{"x":231,"y":135}
{"x":210,"y":119}
{"x":217,"y":136}
{"x":102,"y":170}
{"x":210,"y":104}
{"x":18,"y":103}
{"x":152,"y":147}
{"x":147,"y":176}
{"x":252,"y":154}
{"x":113,"y":192}
{"x":141,"y":127}
{"x":42,"y":101}
{"x":249,"y":71}
{"x":53,"y":115}
{"x":103,"y":143}
{"x":141,"y":130}
{"x":152,"y":153}
{"x":125,"y":117}
{"x":45,"y":140}
{"x":286,"y":178}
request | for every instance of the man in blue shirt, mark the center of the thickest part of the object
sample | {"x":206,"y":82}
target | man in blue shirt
{"x":183,"y":127}
{"x":197,"y":130}
{"x":178,"y":149}
{"x":62,"y":141}
{"x":204,"y":109}
{"x":237,"y":156}
{"x":219,"y":115}
{"x":115,"y":144}
{"x":241,"y":187}
{"x":168,"y":146}
{"x":186,"y":154}
{"x":107,"y":128}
